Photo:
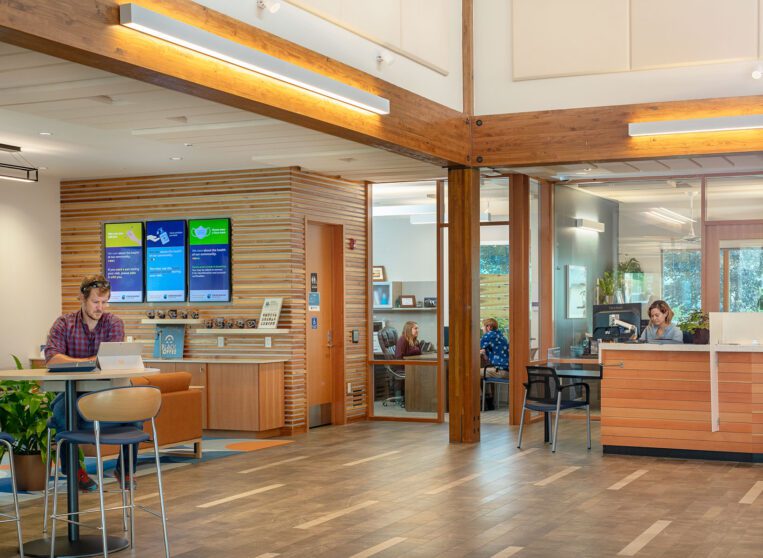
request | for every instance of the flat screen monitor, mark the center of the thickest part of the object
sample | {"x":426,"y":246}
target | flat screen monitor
{"x":165,"y":261}
{"x":603,"y":327}
{"x":123,"y":260}
{"x":446,"y":336}
{"x":209,"y":260}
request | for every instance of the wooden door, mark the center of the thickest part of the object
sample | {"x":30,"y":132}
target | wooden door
{"x":325,"y":361}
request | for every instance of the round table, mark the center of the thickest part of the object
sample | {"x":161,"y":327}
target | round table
{"x":74,"y":545}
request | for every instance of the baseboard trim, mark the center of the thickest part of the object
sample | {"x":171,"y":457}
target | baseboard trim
{"x":685,"y":454}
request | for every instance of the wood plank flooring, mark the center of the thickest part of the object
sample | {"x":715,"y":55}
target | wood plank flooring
{"x":389,"y":489}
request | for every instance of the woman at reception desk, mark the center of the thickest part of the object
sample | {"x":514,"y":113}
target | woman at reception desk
{"x":660,"y":330}
{"x":687,"y":401}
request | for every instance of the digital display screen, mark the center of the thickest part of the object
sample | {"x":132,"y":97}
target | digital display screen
{"x":123,"y":260}
{"x":209,"y":269}
{"x":165,"y":261}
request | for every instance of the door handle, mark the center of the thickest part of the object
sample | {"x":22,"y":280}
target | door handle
{"x":620,"y":364}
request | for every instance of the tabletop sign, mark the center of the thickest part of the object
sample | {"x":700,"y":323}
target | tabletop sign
{"x":209,"y":242}
{"x":165,"y":261}
{"x":123,"y":260}
{"x":313,"y":282}
{"x":271,"y":310}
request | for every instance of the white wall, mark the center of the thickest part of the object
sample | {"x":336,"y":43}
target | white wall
{"x":646,"y":51}
{"x":30,"y":274}
{"x":407,"y":252}
{"x":429,"y":30}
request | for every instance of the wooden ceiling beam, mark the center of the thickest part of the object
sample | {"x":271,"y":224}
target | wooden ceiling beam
{"x":601,"y":133}
{"x":88,"y":32}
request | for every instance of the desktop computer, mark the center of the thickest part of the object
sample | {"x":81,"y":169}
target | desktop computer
{"x":616,"y":322}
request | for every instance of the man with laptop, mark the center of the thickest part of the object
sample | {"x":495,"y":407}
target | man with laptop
{"x":76,"y":337}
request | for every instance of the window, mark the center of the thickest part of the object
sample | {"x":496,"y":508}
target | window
{"x":680,"y":287}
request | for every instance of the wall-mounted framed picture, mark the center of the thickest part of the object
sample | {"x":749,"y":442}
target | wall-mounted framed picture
{"x":378,"y":273}
{"x":407,"y":301}
{"x":577,"y":291}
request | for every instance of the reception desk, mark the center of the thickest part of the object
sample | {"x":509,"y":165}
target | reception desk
{"x":700,"y":401}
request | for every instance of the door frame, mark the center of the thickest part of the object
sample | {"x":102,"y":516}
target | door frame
{"x":338,"y":399}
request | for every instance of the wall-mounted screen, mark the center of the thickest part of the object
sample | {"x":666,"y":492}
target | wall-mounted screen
{"x":209,"y":269}
{"x":165,"y":261}
{"x":123,"y":260}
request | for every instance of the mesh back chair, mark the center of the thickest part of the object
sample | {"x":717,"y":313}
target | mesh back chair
{"x":116,"y":405}
{"x":7,"y":440}
{"x":544,"y":392}
{"x":395,"y":374}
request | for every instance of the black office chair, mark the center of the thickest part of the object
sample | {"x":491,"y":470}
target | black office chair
{"x":496,"y":381}
{"x":544,"y":392}
{"x":395,"y":374}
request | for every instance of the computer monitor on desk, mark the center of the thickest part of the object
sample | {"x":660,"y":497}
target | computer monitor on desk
{"x":606,"y":316}
{"x":446,"y":338}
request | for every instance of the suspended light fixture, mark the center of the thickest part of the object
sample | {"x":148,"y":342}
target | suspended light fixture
{"x":19,"y":169}
{"x":182,"y":34}
{"x":694,"y":125}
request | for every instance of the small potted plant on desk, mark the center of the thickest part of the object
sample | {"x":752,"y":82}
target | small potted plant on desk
{"x":696,"y":326}
{"x":24,"y":414}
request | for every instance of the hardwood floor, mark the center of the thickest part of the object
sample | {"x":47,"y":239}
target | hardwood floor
{"x":396,"y":489}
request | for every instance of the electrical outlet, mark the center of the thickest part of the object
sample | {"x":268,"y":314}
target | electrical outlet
{"x":349,"y":388}
{"x":221,"y":341}
{"x":268,"y":342}
{"x":129,"y":338}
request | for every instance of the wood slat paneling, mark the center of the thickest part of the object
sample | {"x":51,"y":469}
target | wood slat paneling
{"x":267,"y":208}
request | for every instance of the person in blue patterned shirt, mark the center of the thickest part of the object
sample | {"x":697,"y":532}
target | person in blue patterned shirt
{"x":494,"y":356}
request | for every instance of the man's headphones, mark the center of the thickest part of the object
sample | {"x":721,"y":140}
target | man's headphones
{"x":94,"y":284}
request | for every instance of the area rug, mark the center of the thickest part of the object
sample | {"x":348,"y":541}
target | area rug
{"x":212,"y":448}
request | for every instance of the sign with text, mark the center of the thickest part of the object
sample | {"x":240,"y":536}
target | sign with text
{"x":165,"y":261}
{"x":209,"y":269}
{"x":123,"y":260}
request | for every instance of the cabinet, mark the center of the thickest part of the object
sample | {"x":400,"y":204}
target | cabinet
{"x":245,"y":396}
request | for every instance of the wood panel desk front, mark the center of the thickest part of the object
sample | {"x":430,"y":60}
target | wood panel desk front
{"x":421,"y":384}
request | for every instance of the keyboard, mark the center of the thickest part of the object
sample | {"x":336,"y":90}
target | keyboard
{"x":80,"y":366}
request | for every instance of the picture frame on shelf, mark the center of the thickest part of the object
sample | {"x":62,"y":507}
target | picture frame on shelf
{"x":378,"y":273}
{"x":407,"y":301}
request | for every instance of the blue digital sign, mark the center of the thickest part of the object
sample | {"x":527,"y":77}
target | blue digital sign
{"x":165,"y":261}
{"x":123,"y":260}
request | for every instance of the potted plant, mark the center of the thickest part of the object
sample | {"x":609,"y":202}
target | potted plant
{"x":697,"y":325}
{"x":607,"y":285}
{"x":24,"y":414}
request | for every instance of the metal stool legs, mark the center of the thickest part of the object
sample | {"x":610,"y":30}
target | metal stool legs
{"x":522,"y":421}
{"x":17,"y":516}
{"x":47,"y":485}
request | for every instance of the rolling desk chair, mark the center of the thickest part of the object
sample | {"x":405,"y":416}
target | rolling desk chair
{"x":395,"y":374}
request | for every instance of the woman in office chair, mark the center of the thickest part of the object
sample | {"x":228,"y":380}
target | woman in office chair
{"x":408,"y":343}
{"x":660,"y":330}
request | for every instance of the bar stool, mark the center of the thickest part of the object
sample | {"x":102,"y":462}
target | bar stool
{"x":7,"y":440}
{"x":115,"y":405}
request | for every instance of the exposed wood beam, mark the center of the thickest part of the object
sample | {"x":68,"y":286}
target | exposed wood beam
{"x":88,"y":32}
{"x":463,"y":300}
{"x":601,"y":133}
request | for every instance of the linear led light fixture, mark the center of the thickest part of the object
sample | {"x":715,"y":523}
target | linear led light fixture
{"x":668,"y":213}
{"x":664,"y":218}
{"x":693,"y":125}
{"x":18,"y":173}
{"x":164,"y":27}
{"x":589,"y":225}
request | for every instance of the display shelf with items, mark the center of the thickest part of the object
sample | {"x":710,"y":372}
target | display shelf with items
{"x":186,"y":321}
{"x":245,"y":331}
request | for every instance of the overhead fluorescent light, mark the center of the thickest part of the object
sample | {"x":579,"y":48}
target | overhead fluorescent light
{"x":668,"y":213}
{"x":693,"y":125}
{"x":589,"y":225}
{"x":664,"y":218}
{"x":157,"y":25}
{"x":15,"y":171}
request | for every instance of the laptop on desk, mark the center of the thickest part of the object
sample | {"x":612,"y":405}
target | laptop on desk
{"x":77,"y":366}
{"x":120,"y":356}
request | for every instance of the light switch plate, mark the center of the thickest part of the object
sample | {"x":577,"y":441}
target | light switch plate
{"x":268,"y":342}
{"x":221,"y":341}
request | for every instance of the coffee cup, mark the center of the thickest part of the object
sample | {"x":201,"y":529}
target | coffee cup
{"x":228,"y":324}
{"x":251,"y":323}
{"x":183,"y":314}
{"x":240,"y":323}
{"x":209,"y":323}
{"x":150,"y":314}
{"x":172,"y":313}
{"x":160,"y":314}
{"x":219,"y":323}
{"x":195,"y":314}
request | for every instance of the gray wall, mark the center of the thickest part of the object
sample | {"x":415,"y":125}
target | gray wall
{"x":596,"y":251}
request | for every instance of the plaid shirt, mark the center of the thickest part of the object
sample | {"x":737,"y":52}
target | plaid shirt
{"x":70,"y":335}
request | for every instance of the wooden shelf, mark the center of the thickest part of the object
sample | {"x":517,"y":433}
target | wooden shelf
{"x":405,"y":309}
{"x":171,"y":321}
{"x":241,"y":331}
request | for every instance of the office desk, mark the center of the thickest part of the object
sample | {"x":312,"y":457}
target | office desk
{"x":73,"y":545}
{"x":421,"y":384}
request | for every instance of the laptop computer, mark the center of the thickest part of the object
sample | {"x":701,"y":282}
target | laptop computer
{"x":79,"y":366}
{"x":120,"y":356}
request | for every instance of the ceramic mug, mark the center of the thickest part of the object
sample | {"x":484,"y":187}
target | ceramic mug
{"x":183,"y":314}
{"x":150,"y":314}
{"x":195,"y":314}
{"x":228,"y":324}
{"x":160,"y":314}
{"x":209,"y":323}
{"x":240,"y":323}
{"x":172,"y":313}
{"x":219,"y":323}
{"x":251,"y":323}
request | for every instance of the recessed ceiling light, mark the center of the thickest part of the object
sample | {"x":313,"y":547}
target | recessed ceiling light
{"x":188,"y":144}
{"x":42,"y":168}
{"x":176,"y":158}
{"x":46,"y":133}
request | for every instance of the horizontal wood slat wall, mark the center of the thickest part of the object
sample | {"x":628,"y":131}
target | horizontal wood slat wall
{"x":662,"y":400}
{"x":267,"y":209}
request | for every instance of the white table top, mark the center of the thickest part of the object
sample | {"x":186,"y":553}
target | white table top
{"x":686,"y":348}
{"x":42,"y":374}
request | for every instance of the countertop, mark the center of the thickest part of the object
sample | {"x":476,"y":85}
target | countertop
{"x":218,"y":360}
{"x":677,"y":347}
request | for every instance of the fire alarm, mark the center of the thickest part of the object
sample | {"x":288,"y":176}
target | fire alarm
{"x":352,"y":244}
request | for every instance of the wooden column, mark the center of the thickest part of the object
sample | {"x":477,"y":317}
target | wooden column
{"x":519,"y":291}
{"x":546,"y":313}
{"x":463,"y":300}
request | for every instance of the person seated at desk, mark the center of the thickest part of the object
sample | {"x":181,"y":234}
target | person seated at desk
{"x":494,"y":347}
{"x":660,"y":330}
{"x":408,"y":343}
